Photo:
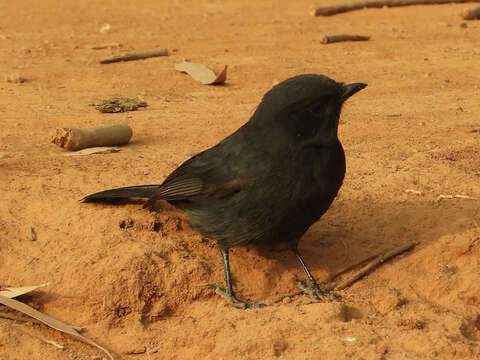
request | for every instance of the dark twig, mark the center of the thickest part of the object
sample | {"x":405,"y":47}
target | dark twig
{"x":378,"y":261}
{"x":136,"y":55}
{"x":339,"y":9}
{"x":333,"y":284}
{"x":328,"y":39}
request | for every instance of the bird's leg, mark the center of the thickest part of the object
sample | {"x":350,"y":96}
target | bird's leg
{"x":228,"y":292}
{"x":313,"y":289}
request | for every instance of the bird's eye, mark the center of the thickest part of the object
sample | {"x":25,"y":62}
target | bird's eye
{"x":317,"y":109}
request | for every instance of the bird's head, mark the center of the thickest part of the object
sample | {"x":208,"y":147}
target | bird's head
{"x":305,"y":108}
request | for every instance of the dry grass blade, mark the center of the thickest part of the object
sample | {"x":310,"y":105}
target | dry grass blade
{"x":51,"y":342}
{"x":49,"y":321}
{"x":94,"y":150}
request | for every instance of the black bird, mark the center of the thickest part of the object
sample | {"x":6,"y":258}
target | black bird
{"x":269,"y":181}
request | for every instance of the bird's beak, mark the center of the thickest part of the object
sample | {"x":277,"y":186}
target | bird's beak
{"x":351,"y":89}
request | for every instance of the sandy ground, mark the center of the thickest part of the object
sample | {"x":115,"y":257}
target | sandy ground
{"x":135,"y":281}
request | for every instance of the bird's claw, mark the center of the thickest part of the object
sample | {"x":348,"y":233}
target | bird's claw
{"x":316,"y":293}
{"x":242,"y":304}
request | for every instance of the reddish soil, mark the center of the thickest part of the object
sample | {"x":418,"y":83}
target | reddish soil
{"x":136,"y":282}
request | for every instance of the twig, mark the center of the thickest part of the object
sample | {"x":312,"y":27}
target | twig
{"x":350,"y":267}
{"x":135,"y":55}
{"x":339,"y":9}
{"x":471,"y":14}
{"x":328,"y":39}
{"x":378,"y":261}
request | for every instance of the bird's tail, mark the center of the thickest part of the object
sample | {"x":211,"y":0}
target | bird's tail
{"x":122,"y":194}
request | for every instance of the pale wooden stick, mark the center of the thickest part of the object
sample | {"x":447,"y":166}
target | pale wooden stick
{"x":339,"y":9}
{"x":76,"y":139}
{"x":135,"y":55}
{"x":378,"y":261}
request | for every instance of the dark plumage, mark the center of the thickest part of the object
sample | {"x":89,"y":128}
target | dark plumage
{"x":267,"y":182}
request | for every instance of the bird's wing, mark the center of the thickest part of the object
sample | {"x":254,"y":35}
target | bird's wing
{"x":210,"y":174}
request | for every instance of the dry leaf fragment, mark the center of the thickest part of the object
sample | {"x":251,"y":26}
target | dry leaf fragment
{"x":47,"y":320}
{"x":105,"y":29}
{"x":202,"y":73}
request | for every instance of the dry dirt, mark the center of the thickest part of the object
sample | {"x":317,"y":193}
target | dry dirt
{"x":135,"y":281}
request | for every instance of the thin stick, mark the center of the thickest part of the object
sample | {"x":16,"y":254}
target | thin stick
{"x":135,"y":55}
{"x":339,"y":9}
{"x":378,"y":261}
{"x":350,"y":267}
{"x":332,"y":285}
{"x":328,"y":39}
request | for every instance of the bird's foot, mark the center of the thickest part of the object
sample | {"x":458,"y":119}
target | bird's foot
{"x":242,"y":304}
{"x":316,"y":293}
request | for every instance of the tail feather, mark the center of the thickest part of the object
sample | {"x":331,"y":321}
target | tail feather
{"x":122,"y":194}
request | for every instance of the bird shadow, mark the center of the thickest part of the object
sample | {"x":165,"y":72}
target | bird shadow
{"x":352,"y":231}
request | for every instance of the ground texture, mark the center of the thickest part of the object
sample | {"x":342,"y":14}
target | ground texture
{"x":136,"y":282}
